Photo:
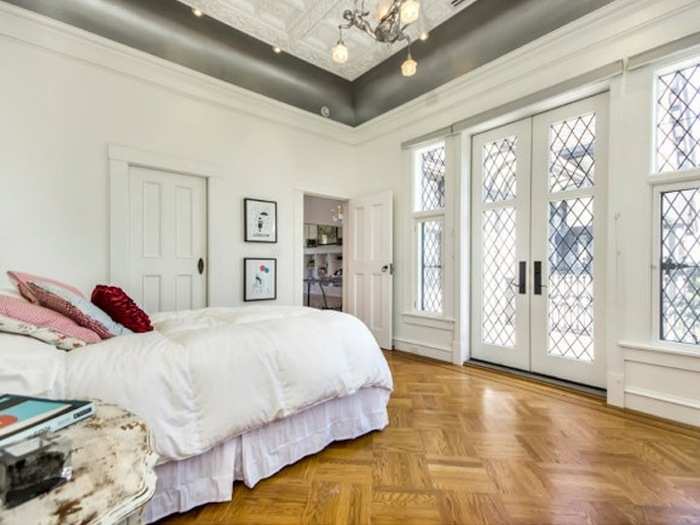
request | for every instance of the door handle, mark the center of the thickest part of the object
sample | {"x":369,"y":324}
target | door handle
{"x":538,"y":277}
{"x":522,"y":277}
{"x":200,"y":266}
{"x":388,"y":268}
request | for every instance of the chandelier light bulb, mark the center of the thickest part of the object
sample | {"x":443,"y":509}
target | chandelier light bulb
{"x":382,"y":9}
{"x":409,"y":67}
{"x":340,"y":53}
{"x":410,"y":11}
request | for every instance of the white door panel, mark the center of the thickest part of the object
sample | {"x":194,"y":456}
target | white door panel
{"x":569,"y":177}
{"x":500,"y":248}
{"x":168,"y":238}
{"x":370,"y":268}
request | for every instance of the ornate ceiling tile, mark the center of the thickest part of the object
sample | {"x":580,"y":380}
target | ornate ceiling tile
{"x":307,"y":29}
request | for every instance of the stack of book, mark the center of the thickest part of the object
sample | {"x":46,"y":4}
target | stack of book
{"x":23,"y":417}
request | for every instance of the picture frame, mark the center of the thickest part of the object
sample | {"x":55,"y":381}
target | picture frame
{"x":259,"y":279}
{"x":260,"y":220}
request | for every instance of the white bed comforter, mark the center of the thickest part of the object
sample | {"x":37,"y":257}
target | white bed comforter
{"x":205,"y":376}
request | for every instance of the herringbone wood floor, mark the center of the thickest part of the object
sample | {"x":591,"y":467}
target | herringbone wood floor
{"x":467,"y":446}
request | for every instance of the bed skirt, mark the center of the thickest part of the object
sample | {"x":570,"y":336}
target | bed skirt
{"x":209,"y":477}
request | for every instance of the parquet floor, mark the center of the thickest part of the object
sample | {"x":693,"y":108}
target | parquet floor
{"x":467,"y":446}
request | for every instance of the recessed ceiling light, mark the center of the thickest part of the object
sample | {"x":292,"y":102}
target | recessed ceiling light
{"x":196,"y":12}
{"x":277,"y":49}
{"x":424,"y":36}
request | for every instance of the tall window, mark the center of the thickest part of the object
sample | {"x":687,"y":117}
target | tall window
{"x":678,"y":150}
{"x":428,"y":218}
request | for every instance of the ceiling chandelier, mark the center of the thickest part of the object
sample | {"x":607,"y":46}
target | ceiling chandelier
{"x":394,"y":17}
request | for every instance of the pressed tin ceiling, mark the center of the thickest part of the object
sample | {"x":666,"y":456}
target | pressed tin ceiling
{"x":308,"y":29}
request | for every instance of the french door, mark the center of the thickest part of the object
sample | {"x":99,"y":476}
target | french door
{"x":538,"y":216}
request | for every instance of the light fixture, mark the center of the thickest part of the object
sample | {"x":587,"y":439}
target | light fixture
{"x":394,"y":18}
{"x":410,"y":11}
{"x":409,"y":66}
{"x":277,"y":50}
{"x":423,"y":28}
{"x":197,"y":12}
{"x":340,"y":51}
{"x":337,"y":214}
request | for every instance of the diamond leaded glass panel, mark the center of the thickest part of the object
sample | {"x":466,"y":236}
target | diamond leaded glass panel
{"x":431,"y":266}
{"x":678,"y":120}
{"x":571,"y":153}
{"x":680,"y":266}
{"x":499,"y":163}
{"x":570,"y":283}
{"x":431,"y":187}
{"x":498,"y":274}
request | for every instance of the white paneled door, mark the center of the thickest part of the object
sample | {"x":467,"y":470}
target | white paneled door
{"x":538,"y":204}
{"x":168,"y":240}
{"x":370,"y":270}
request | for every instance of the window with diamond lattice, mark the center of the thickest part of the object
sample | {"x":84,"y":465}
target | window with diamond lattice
{"x":430,"y":245}
{"x":570,"y":286}
{"x":431,"y":175}
{"x":680,"y":266}
{"x":499,"y":161}
{"x":678,"y":119}
{"x":571,"y":153}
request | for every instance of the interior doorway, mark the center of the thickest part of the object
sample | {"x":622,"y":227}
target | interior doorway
{"x":323,"y":252}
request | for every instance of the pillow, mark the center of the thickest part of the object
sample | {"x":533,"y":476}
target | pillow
{"x":121,"y":308}
{"x":40,"y":317}
{"x":22,"y":280}
{"x":31,"y":368}
{"x":41,"y":333}
{"x":77,"y":308}
{"x":11,"y":292}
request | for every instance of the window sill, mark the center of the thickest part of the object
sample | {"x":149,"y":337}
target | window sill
{"x":436,"y":321}
{"x":661,"y":348}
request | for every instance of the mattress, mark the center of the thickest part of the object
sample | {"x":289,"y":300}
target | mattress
{"x":258,"y":454}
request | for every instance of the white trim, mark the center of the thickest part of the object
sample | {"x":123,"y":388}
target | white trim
{"x":429,"y":321}
{"x":659,"y":347}
{"x":121,"y":158}
{"x":432,"y":351}
{"x":621,"y":28}
{"x":660,"y":396}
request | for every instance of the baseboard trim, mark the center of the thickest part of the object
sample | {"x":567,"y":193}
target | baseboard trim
{"x":409,"y":346}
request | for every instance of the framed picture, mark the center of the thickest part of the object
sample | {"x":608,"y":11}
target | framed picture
{"x":260,"y":220}
{"x":259,"y":279}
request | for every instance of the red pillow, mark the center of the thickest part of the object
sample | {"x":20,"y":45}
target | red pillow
{"x":121,"y":308}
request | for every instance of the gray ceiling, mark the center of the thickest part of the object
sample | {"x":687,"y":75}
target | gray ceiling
{"x":166,"y":28}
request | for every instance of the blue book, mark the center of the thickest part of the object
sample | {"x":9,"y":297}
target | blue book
{"x":22,"y":417}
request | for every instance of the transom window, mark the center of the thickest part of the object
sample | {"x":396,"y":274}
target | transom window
{"x":678,"y":119}
{"x":428,"y":216}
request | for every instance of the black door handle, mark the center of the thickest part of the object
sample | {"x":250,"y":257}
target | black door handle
{"x":522,"y":277}
{"x":538,"y":277}
{"x":200,"y":266}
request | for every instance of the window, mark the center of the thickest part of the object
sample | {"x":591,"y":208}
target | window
{"x":428,"y":218}
{"x":678,"y":205}
{"x":678,"y":119}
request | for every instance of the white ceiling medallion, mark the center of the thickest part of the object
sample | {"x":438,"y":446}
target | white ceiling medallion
{"x":307,"y":29}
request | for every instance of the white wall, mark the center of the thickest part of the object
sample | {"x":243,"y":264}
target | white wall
{"x":318,"y":210}
{"x":58,"y":116}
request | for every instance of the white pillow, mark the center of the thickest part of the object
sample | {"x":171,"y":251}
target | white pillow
{"x":11,"y":292}
{"x":29,"y":367}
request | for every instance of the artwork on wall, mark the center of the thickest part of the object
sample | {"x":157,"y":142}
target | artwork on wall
{"x":260,"y":220}
{"x":260,"y":279}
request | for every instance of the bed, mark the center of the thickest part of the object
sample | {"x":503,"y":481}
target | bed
{"x":228,"y":393}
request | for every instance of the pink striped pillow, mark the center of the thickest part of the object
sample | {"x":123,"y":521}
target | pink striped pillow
{"x":22,"y":280}
{"x":44,"y":318}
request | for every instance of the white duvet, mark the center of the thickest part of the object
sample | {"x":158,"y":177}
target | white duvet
{"x":205,"y":376}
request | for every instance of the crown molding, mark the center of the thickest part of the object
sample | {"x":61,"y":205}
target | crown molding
{"x":613,"y":32}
